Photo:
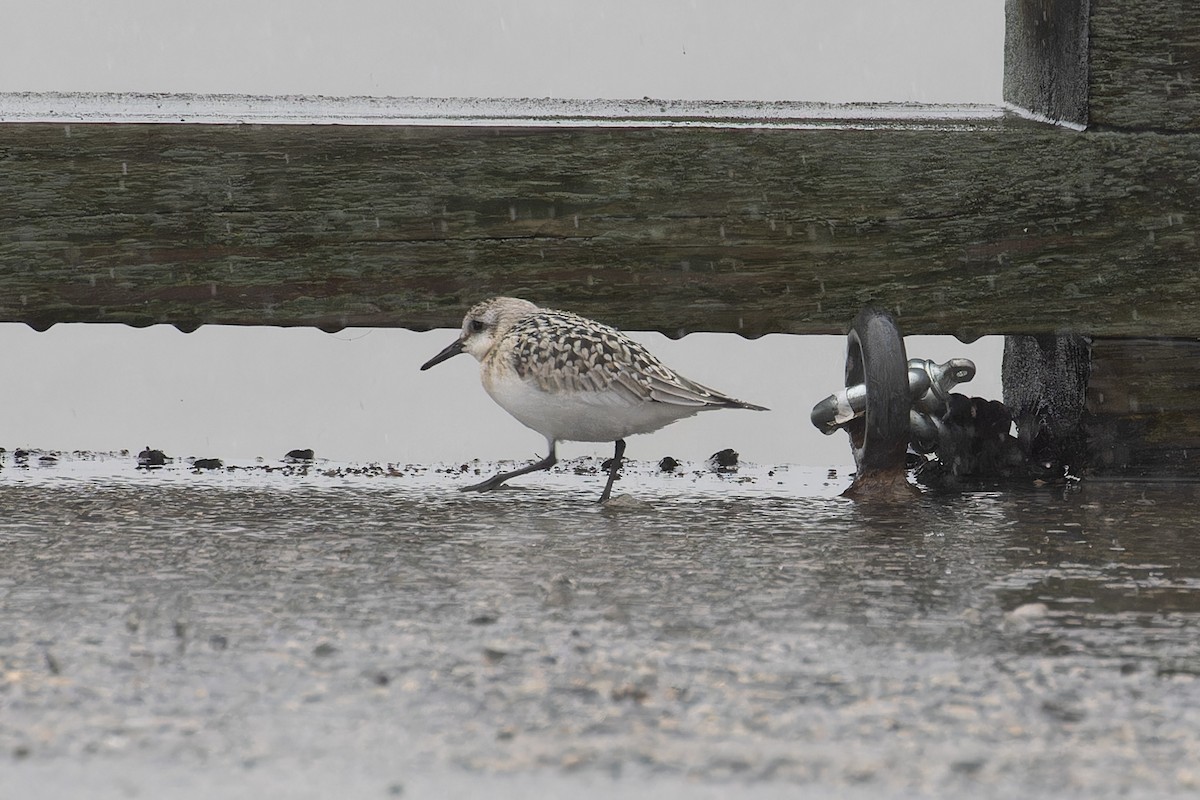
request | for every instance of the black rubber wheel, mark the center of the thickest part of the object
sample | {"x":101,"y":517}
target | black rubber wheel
{"x":875,"y":357}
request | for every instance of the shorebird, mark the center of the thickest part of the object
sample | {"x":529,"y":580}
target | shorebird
{"x":573,"y":379}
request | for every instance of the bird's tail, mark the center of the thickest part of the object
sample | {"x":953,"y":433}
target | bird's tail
{"x":733,"y":402}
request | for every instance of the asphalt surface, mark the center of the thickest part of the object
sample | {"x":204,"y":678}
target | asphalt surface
{"x":378,"y":634}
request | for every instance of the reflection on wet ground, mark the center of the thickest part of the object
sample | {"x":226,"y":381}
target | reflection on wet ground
{"x":177,"y":635}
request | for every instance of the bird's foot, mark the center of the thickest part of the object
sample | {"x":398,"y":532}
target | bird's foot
{"x":494,"y":482}
{"x":607,"y":493}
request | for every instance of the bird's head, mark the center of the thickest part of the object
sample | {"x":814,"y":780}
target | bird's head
{"x":483,"y":326}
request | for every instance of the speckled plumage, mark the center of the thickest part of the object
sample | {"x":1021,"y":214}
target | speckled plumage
{"x":571,"y":378}
{"x":564,"y":352}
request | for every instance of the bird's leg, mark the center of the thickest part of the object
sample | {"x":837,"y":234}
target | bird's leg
{"x":614,"y":467}
{"x":495,"y":481}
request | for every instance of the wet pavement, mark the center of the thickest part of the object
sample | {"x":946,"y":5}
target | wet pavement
{"x":379,"y":634}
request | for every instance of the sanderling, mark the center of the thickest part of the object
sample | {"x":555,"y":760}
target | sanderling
{"x":572,"y":379}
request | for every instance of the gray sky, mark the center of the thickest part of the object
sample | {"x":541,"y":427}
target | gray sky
{"x":804,"y":50}
{"x":357,"y":395}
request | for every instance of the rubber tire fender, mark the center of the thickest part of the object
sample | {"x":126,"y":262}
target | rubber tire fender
{"x":875,"y":357}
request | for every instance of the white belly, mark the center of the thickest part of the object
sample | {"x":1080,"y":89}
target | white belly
{"x":581,"y":416}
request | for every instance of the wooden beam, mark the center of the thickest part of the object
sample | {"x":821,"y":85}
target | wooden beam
{"x":1129,"y":65}
{"x":969,"y":228}
{"x":1142,"y":401}
{"x":1144,"y":65}
{"x":1046,"y":58}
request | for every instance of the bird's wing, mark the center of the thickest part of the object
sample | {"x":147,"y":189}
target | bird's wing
{"x":560,"y":351}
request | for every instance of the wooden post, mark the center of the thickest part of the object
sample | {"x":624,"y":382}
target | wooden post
{"x":1131,"y":71}
{"x":1143,"y":407}
{"x":1045,"y":381}
{"x":1121,"y":65}
{"x":1144,"y":65}
{"x":1046,"y":58}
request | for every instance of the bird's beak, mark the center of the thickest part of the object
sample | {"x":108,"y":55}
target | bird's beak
{"x":449,"y":352}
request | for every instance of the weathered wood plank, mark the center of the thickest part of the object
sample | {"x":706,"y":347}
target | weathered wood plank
{"x":1144,"y":64}
{"x":1046,"y":58}
{"x":1045,"y":380}
{"x":1108,"y":64}
{"x":1107,"y":407}
{"x":987,"y":227}
{"x":1142,"y":402}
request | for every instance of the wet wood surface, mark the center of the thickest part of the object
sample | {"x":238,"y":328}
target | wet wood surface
{"x":1143,"y":398}
{"x":983,"y":227}
{"x":1144,"y":64}
{"x":1130,"y":65}
{"x":1046,"y":57}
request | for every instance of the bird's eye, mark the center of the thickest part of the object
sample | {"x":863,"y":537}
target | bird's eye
{"x":477,"y":325}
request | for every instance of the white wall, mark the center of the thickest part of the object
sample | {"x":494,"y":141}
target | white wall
{"x":805,"y":50}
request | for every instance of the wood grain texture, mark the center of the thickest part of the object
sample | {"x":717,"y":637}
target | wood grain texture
{"x":988,"y":227}
{"x":1142,"y":403}
{"x":1046,"y":57}
{"x":1045,"y":380}
{"x":1130,"y":65}
{"x":1144,"y":65}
